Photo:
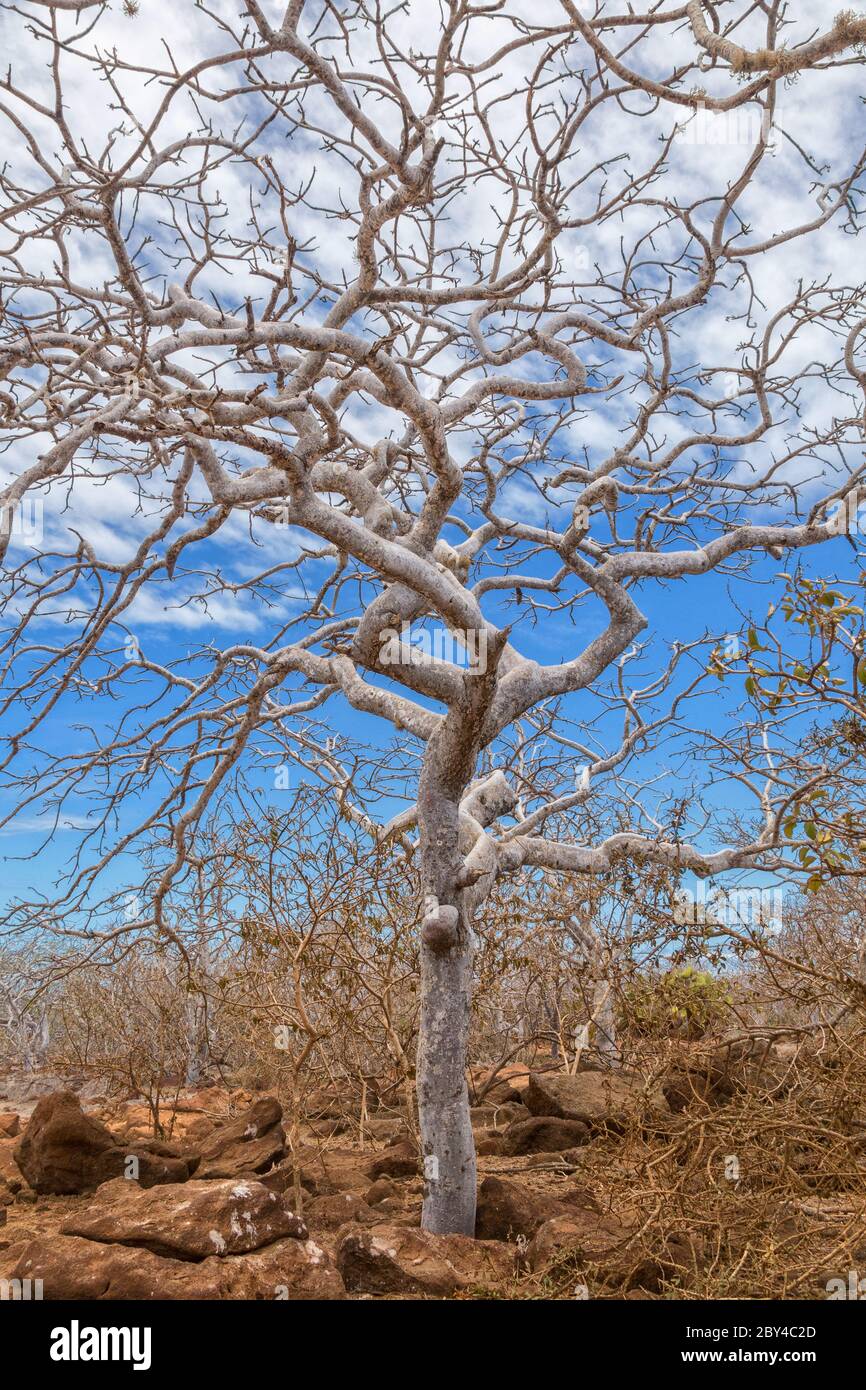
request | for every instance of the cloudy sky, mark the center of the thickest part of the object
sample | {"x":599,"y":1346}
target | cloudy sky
{"x":813,"y":145}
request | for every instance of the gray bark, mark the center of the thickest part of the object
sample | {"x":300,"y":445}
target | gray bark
{"x":457,"y":876}
{"x":198,"y":1051}
{"x":604,"y":1015}
{"x":443,"y":1097}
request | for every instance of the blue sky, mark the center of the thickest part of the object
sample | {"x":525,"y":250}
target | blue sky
{"x":168,"y":625}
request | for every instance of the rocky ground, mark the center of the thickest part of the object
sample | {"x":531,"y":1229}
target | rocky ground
{"x":589,"y":1185}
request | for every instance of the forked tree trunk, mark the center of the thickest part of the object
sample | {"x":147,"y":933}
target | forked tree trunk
{"x":443,"y":1097}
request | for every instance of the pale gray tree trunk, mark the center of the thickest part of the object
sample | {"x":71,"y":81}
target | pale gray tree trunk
{"x":604,"y":1014}
{"x":197,"y":1033}
{"x":447,"y":1143}
{"x":443,"y":1097}
{"x":33,"y":1036}
{"x":198,"y":1051}
{"x":456,"y":877}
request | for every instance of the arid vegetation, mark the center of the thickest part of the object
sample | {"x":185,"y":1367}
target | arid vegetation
{"x":711,"y":1144}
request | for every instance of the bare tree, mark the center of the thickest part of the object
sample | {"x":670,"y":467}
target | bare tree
{"x":24,"y":1020}
{"x":406,"y":350}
